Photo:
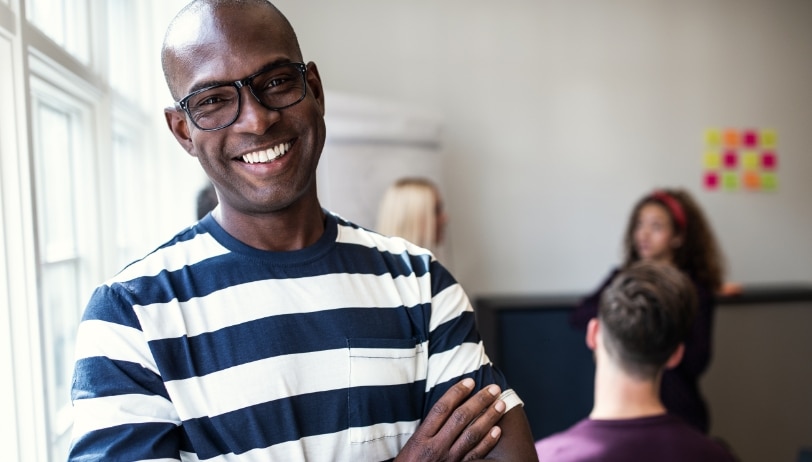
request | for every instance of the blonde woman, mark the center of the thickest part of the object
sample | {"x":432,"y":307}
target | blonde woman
{"x":412,"y":209}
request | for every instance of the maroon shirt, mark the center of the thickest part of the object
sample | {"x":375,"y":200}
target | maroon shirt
{"x":661,"y":438}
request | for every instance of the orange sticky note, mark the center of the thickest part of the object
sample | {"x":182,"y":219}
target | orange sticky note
{"x":731,"y":138}
{"x":751,"y":179}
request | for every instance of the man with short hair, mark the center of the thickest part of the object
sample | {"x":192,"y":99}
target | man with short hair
{"x":643,"y":318}
{"x":273,"y":329}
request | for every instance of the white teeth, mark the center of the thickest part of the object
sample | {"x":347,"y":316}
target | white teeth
{"x":266,"y":155}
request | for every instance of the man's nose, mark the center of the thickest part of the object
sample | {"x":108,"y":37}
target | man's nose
{"x":253,"y":116}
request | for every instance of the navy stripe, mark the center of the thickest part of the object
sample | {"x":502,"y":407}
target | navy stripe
{"x":291,"y":419}
{"x":441,"y":279}
{"x":106,"y":305}
{"x":453,"y":333}
{"x":483,"y":376}
{"x":99,"y":376}
{"x":154,"y":440}
{"x":185,"y":357}
{"x":211,"y":275}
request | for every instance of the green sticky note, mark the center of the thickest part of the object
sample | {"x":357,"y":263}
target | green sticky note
{"x":769,"y":181}
{"x":730,"y":181}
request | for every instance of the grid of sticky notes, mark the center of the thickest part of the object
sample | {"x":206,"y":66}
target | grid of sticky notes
{"x":740,"y":159}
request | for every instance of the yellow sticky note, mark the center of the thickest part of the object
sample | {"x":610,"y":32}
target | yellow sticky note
{"x":769,"y":139}
{"x":750,"y":160}
{"x":713,"y":138}
{"x":712,"y":160}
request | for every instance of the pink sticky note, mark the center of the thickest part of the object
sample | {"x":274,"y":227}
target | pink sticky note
{"x":769,"y":160}
{"x":729,"y":159}
{"x":711,"y":180}
{"x":750,"y":138}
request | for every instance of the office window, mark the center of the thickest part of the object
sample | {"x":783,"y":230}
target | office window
{"x":64,"y":183}
{"x":65,"y":22}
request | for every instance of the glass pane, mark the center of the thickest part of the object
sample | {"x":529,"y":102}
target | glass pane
{"x":123,"y":48}
{"x":128,"y":198}
{"x":56,"y":184}
{"x":60,"y":297}
{"x":65,"y":22}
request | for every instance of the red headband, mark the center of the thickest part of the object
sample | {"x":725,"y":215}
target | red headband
{"x":673,"y":206}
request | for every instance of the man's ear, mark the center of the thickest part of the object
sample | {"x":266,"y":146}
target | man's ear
{"x":676,"y":241}
{"x":592,"y":334}
{"x":675,"y":357}
{"x":314,"y":84}
{"x":176,"y":121}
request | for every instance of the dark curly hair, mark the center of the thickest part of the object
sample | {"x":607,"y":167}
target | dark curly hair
{"x":699,"y":255}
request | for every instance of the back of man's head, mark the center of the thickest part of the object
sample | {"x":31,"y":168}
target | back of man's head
{"x":645,"y":313}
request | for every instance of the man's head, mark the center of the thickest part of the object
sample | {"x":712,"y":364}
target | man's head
{"x":644,"y":316}
{"x":263,"y":156}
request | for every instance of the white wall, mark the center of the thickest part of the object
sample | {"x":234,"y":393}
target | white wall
{"x":560,"y":114}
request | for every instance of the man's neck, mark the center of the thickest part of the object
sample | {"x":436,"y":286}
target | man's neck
{"x":619,"y":396}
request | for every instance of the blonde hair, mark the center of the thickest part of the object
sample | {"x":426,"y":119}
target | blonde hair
{"x":409,"y":209}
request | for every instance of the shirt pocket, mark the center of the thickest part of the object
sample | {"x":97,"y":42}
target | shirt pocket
{"x":386,"y":391}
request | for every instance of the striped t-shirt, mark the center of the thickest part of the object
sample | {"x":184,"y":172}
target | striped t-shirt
{"x":208,"y":349}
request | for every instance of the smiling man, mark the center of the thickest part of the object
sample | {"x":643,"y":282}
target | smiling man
{"x":273,"y":329}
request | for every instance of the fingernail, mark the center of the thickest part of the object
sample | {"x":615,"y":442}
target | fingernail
{"x":468,"y":383}
{"x":500,"y":406}
{"x":495,"y":432}
{"x":494,"y":390}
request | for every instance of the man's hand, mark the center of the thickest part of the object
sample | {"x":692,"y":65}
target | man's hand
{"x":457,"y":429}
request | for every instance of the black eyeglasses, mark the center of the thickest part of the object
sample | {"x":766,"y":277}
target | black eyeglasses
{"x":218,"y":106}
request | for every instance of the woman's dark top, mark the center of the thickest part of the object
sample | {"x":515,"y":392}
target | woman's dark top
{"x":680,"y":386}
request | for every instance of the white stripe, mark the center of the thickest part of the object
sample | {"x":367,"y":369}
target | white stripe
{"x":109,"y":411}
{"x":175,"y":257}
{"x":248,"y":302}
{"x":292,"y":375}
{"x":117,"y":342}
{"x":453,"y":301}
{"x":453,"y":363}
{"x":511,"y":399}
{"x":334,"y":447}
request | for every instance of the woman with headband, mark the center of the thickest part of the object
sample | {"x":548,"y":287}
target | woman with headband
{"x":667,"y":225}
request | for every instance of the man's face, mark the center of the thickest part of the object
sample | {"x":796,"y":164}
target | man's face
{"x":236,"y":43}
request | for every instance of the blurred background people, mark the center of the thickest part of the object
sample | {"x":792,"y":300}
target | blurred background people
{"x":644,"y":316}
{"x":412,"y":208}
{"x":668,"y":226}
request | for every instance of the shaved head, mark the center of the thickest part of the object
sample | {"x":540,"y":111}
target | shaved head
{"x":191,"y":26}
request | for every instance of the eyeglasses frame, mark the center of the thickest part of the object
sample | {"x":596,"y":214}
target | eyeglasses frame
{"x":183,"y":104}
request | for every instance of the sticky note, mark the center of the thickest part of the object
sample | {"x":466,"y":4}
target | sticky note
{"x":711,"y":180}
{"x":713,"y":138}
{"x":712,"y":160}
{"x":769,"y":181}
{"x":768,"y":139}
{"x":769,"y":160}
{"x":731,"y":138}
{"x":730,"y":181}
{"x":729,"y":159}
{"x":750,"y":138}
{"x":751,"y":179}
{"x":750,"y":160}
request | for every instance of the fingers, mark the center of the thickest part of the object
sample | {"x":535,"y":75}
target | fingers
{"x":485,"y":445}
{"x":481,"y":434}
{"x":444,"y":407}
